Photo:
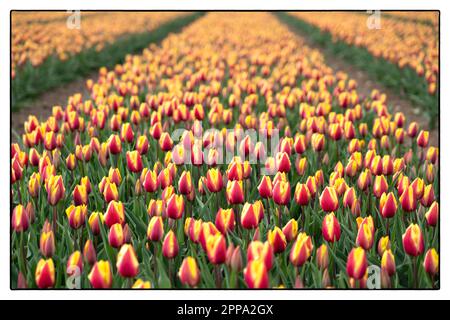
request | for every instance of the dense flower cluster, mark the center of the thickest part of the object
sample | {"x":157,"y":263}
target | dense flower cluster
{"x":104,"y":192}
{"x":37,"y":36}
{"x":404,"y":43}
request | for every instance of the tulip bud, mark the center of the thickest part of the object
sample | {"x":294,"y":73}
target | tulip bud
{"x":331,"y":229}
{"x":413,"y":242}
{"x":357,"y":263}
{"x":234,"y":258}
{"x":328,"y":200}
{"x":189,"y":273}
{"x":170,"y":245}
{"x":428,"y":196}
{"x":127,"y":263}
{"x":100,"y":276}
{"x":431,"y":262}
{"x":110,"y":192}
{"x":45,"y":274}
{"x":282,"y":162}
{"x":301,"y":250}
{"x":80,"y":195}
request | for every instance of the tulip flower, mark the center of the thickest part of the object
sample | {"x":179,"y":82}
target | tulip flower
{"x":100,"y":276}
{"x":74,"y":264}
{"x":115,"y":213}
{"x":322,"y":259}
{"x":189,"y":272}
{"x":265,"y":187}
{"x":216,"y":248}
{"x":331,"y":229}
{"x":329,"y":200}
{"x":80,"y":195}
{"x":76,"y":216}
{"x":19,"y":220}
{"x":277,"y":240}
{"x":34,"y":184}
{"x":45,"y":274}
{"x":281,"y":193}
{"x":388,"y":205}
{"x":141,"y":284}
{"x":431,"y":262}
{"x":290,"y":230}
{"x":383,"y":245}
{"x":413,"y":242}
{"x":302,"y":195}
{"x":47,"y":241}
{"x":116,"y":236}
{"x":357,"y":263}
{"x":408,"y":200}
{"x":235,"y":192}
{"x":432,"y":215}
{"x":214,"y":180}
{"x":110,"y":192}
{"x":170,"y":245}
{"x":55,"y":189}
{"x":257,"y":250}
{"x":256,"y":275}
{"x":185,"y":183}
{"x":175,"y":207}
{"x":419,"y":187}
{"x":380,"y":186}
{"x":282,"y":162}
{"x":94,"y":221}
{"x":150,"y":181}
{"x":250,"y":217}
{"x":155,"y":230}
{"x":428,"y":196}
{"x":422,"y":139}
{"x":134,"y":161}
{"x":388,"y":263}
{"x":127,"y":263}
{"x":225,"y":220}
{"x":89,"y":254}
{"x":365,"y":235}
{"x":301,"y":250}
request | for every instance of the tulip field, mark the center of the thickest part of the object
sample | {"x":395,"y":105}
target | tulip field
{"x":229,"y":155}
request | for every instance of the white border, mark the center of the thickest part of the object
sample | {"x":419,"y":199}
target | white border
{"x":5,"y":7}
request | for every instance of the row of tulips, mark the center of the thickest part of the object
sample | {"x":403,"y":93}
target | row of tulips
{"x":37,"y":36}
{"x":402,"y":42}
{"x":106,"y":196}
